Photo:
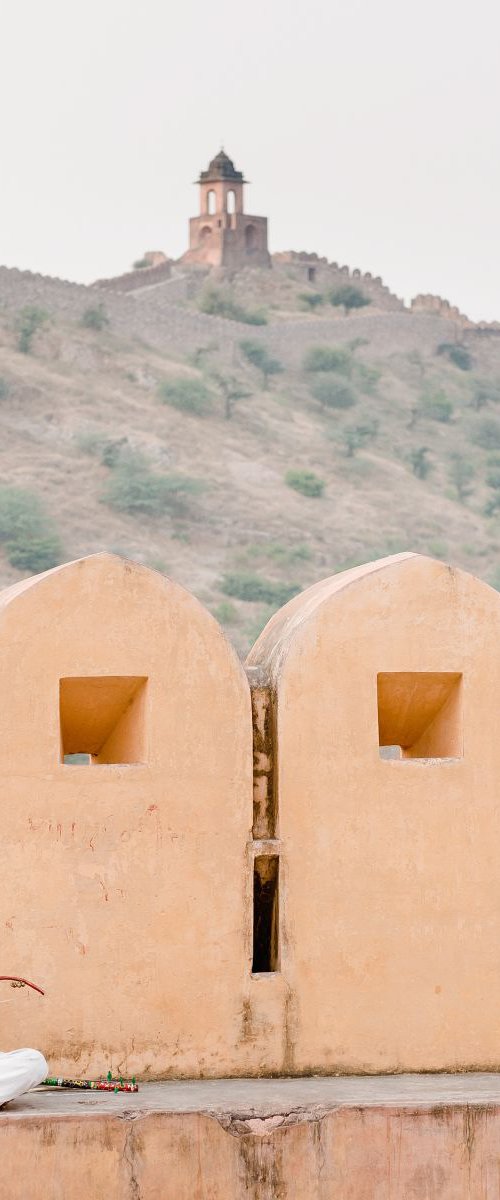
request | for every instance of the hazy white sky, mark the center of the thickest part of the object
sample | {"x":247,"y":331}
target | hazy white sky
{"x":369,"y":129}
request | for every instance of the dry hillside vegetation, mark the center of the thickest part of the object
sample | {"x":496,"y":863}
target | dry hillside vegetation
{"x":247,"y":474}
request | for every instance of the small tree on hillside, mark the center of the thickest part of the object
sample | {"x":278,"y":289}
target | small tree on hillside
{"x":29,"y":320}
{"x":95,"y":318}
{"x":485,"y":432}
{"x":459,"y":355}
{"x":232,"y":391}
{"x":485,"y":391}
{"x":437,"y":406}
{"x":348,"y":297}
{"x":332,"y":392}
{"x":493,"y":480}
{"x":259,"y":357}
{"x":355,"y":437}
{"x":461,"y":473}
{"x":311,"y":300}
{"x":419,"y":462}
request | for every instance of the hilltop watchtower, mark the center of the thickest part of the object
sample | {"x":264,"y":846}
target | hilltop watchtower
{"x":224,"y":235}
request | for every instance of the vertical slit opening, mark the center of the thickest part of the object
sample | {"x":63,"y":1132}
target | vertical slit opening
{"x":265,"y":914}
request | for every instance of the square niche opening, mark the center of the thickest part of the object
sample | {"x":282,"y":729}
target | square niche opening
{"x":420,"y":714}
{"x":102,"y":719}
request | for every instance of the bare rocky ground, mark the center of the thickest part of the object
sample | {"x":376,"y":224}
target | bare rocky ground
{"x":82,"y":403}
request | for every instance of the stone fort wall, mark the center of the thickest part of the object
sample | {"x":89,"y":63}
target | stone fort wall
{"x":310,"y":268}
{"x":156,"y":315}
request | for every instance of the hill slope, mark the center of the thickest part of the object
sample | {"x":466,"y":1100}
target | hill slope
{"x":402,"y":429}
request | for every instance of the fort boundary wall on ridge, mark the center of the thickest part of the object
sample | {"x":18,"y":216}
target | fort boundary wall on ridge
{"x":154,"y":315}
{"x":216,"y":893}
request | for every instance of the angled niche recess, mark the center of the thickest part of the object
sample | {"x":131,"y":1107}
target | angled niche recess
{"x":103,"y":719}
{"x":265,"y":914}
{"x":420,"y":714}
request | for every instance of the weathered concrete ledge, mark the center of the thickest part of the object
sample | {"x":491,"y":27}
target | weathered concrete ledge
{"x":403,"y":1137}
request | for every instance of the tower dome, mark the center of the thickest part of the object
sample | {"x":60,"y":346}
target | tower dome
{"x":221,"y":167}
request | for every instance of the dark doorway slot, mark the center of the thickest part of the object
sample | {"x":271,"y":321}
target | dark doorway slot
{"x":311,"y":274}
{"x":265,"y":913}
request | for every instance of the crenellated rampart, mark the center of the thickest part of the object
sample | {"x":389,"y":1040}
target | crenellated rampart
{"x":310,"y":268}
{"x":158,"y":313}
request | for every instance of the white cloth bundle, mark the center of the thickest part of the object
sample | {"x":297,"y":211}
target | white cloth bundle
{"x":20,"y":1070}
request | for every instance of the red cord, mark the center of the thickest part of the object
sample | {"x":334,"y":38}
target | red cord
{"x":16,"y":979}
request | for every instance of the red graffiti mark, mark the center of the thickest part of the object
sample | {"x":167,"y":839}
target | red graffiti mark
{"x":34,"y":828}
{"x":103,"y":885}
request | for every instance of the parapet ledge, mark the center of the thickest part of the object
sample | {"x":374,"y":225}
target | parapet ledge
{"x":37,"y":277}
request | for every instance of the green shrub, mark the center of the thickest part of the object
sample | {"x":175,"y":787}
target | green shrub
{"x":187,"y":394}
{"x":458,"y":355}
{"x":140,"y":263}
{"x":493,"y":474}
{"x":305,"y":482}
{"x":419,"y":462}
{"x":112,"y":451}
{"x":355,"y":437}
{"x":348,"y":296}
{"x":437,"y":406}
{"x":486,"y":433}
{"x":95,"y":318}
{"x":367,"y":377}
{"x":259,"y":357}
{"x":493,"y":480}
{"x":332,"y":392}
{"x":254,"y":629}
{"x":437,"y":549}
{"x":218,"y":303}
{"x":276,"y":551}
{"x":257,"y":316}
{"x":28,"y":321}
{"x":492,"y":505}
{"x":461,"y":473}
{"x":485,"y":391}
{"x":31,"y":541}
{"x":311,"y":299}
{"x":134,"y":488}
{"x":327,"y":358}
{"x":34,"y":554}
{"x":4,"y":388}
{"x":251,"y":587}
{"x":226,"y":613}
{"x":285,"y":554}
